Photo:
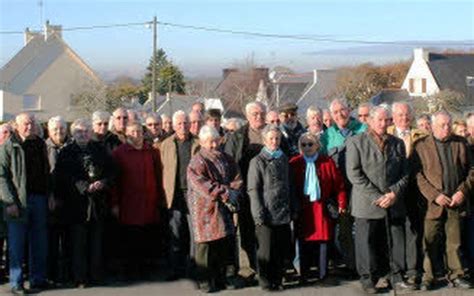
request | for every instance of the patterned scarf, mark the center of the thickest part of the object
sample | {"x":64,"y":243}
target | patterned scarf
{"x":311,"y":181}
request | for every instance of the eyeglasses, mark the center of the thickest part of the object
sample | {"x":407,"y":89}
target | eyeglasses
{"x":152,"y":124}
{"x":121,"y":117}
{"x":256,"y":114}
{"x":307,"y":144}
{"x":363,"y":115}
{"x":102,"y":123}
{"x":290,"y":114}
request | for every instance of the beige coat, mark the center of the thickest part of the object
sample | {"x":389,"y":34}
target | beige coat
{"x":169,"y":158}
{"x":409,"y":141}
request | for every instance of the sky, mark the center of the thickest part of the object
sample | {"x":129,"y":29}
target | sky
{"x":126,"y":50}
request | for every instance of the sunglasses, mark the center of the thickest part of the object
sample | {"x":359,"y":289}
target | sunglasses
{"x":307,"y":144}
{"x":363,"y":115}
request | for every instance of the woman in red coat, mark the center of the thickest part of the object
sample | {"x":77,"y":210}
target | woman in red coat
{"x":316,"y":180}
{"x":136,"y":198}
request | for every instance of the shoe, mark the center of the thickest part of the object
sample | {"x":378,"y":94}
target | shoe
{"x":426,"y":285}
{"x":383,"y":283}
{"x":18,"y":291}
{"x":369,"y":288}
{"x":461,"y":283}
{"x":404,"y":287}
{"x":276,"y":287}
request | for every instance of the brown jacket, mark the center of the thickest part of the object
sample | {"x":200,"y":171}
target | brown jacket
{"x":169,"y":159}
{"x":429,"y":175}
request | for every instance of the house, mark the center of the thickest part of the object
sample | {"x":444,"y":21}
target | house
{"x":305,"y":89}
{"x":44,"y":77}
{"x":432,"y":72}
{"x":390,"y":95}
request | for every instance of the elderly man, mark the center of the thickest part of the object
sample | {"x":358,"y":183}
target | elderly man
{"x":119,"y":123}
{"x":195,"y":122}
{"x":57,"y":131}
{"x":273,"y":118}
{"x":176,"y":152}
{"x":24,"y":188}
{"x":167,"y":124}
{"x":423,"y":124}
{"x":445,"y":176}
{"x":378,"y":170}
{"x":333,"y":144}
{"x":5,"y":132}
{"x":198,"y":107}
{"x":154,"y":134}
{"x":314,"y":120}
{"x":327,"y":119}
{"x":470,"y":220}
{"x":363,"y":112}
{"x":244,"y":145}
{"x":402,"y":115}
{"x":291,"y":128}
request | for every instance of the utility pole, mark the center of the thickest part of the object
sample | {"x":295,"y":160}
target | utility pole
{"x":153,"y":71}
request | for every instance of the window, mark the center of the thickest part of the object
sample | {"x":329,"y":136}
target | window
{"x":411,"y":87}
{"x":31,"y":102}
{"x":423,"y":85}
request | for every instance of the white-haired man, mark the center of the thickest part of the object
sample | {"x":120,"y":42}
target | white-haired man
{"x":176,"y":152}
{"x":24,"y":189}
{"x":445,"y":177}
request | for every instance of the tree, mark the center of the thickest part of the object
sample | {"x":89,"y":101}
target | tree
{"x":96,"y":97}
{"x":126,"y":87}
{"x":449,"y":100}
{"x":168,"y":76}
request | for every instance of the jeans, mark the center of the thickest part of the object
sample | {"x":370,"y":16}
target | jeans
{"x":35,"y":230}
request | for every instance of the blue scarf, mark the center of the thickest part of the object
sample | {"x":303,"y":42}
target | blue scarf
{"x":311,"y":181}
{"x":273,"y":154}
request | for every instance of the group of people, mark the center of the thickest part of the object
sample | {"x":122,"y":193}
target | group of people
{"x":235,"y":205}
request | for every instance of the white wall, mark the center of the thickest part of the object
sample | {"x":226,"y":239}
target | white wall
{"x":418,"y":70}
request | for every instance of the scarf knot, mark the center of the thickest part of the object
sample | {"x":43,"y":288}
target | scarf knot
{"x":311,"y":181}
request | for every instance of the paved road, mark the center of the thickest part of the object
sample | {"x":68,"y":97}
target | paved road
{"x":187,"y":288}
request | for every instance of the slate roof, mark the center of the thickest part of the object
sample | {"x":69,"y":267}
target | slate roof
{"x":176,"y":102}
{"x":389,"y":96}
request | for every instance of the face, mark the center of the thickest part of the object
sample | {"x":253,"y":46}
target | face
{"x":461,"y":130}
{"x":424,"y":125}
{"x":327,"y":120}
{"x":100,"y":127}
{"x":120,"y":120}
{"x":379,"y":122}
{"x":167,"y":125}
{"x":442,"y":127}
{"x":195,"y":123}
{"x":309,"y":147}
{"x":289,"y":118}
{"x":82,"y":135}
{"x":210,"y":143}
{"x":132,"y":117}
{"x":402,"y":117}
{"x":153,"y":126}
{"x":231,"y":127}
{"x":340,"y":115}
{"x":272,"y":140}
{"x":363,"y":114}
{"x":26,"y":126}
{"x":4,"y":134}
{"x":57,"y":133}
{"x":273,"y":118}
{"x":256,"y":117}
{"x":199,"y":108}
{"x":470,"y":126}
{"x":315,"y":122}
{"x":213,"y":122}
{"x":135,"y":134}
{"x":181,"y":126}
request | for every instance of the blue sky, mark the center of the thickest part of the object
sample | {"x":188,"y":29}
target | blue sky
{"x":127,"y":50}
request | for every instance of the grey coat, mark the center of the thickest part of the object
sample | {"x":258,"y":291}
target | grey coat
{"x":373,"y":173}
{"x":268,"y":187}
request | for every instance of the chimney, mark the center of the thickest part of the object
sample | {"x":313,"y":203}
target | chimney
{"x":315,"y":76}
{"x":420,"y":53}
{"x":227,"y":71}
{"x":50,"y":30}
{"x":29,"y":35}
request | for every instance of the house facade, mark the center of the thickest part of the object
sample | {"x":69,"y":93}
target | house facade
{"x":44,"y":78}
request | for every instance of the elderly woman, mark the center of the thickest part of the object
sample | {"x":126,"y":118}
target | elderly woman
{"x":214,"y":186}
{"x":318,"y":187}
{"x":136,"y":199}
{"x":101,"y":133}
{"x":460,"y":128}
{"x":57,"y":138}
{"x":83,"y":172}
{"x":272,"y":207}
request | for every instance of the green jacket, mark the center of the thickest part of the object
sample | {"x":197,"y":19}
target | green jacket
{"x":13,"y":177}
{"x":332,"y":137}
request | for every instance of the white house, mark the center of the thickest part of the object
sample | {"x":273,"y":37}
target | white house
{"x":432,"y":72}
{"x":43,"y":77}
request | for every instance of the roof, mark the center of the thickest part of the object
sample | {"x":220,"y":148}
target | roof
{"x":450,"y":70}
{"x":175,"y":103}
{"x":321,"y":92}
{"x":35,"y":58}
{"x":389,"y":96}
{"x":290,"y":87}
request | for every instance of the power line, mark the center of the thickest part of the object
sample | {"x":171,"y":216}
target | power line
{"x":316,"y":38}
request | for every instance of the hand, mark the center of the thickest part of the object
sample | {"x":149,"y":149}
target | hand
{"x":96,"y":186}
{"x":443,"y":200}
{"x":115,"y":211}
{"x":51,"y":203}
{"x":457,"y":199}
{"x":342,"y":211}
{"x":12,"y":211}
{"x":387,"y":200}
